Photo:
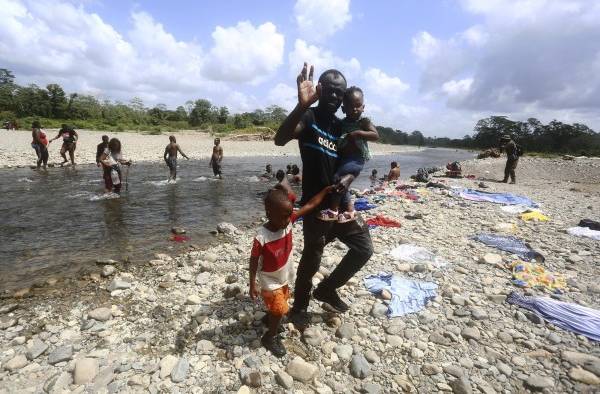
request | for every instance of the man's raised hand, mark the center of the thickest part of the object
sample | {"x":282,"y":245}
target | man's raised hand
{"x":307,"y":94}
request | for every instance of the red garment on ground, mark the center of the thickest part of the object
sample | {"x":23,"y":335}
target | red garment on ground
{"x":382,"y":221}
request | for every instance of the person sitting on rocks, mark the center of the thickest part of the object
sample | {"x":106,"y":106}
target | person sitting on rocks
{"x":270,"y":259}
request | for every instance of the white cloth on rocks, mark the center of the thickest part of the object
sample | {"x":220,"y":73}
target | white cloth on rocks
{"x":417,"y":255}
{"x":584,"y":232}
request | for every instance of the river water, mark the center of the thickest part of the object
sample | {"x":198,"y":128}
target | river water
{"x":59,"y":223}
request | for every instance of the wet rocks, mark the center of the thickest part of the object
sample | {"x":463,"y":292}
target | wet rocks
{"x":108,"y":270}
{"x":178,"y":230}
{"x":226,"y":228}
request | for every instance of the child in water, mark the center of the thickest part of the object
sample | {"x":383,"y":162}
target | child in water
{"x":353,"y":153}
{"x":270,"y":259}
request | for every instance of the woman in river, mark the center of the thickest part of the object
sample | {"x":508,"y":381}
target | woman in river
{"x":112,"y":159}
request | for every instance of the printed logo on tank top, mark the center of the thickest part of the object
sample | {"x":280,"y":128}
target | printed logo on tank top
{"x":326,"y":142}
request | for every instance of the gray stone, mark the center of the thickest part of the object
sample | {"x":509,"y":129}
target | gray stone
{"x":204,"y":346}
{"x":583,"y":376}
{"x":250,"y":377}
{"x":534,"y":318}
{"x":193,"y":299}
{"x":554,"y":338}
{"x":8,"y":308}
{"x":345,"y":331}
{"x":359,"y":367}
{"x":371,"y":388}
{"x":537,"y":382}
{"x":478,"y":314}
{"x":284,"y":379}
{"x":36,"y":349}
{"x":60,"y":354}
{"x":100,"y":314}
{"x":252,"y":362}
{"x":203,"y":278}
{"x":471,"y":333}
{"x":430,"y":369}
{"x":505,"y":337}
{"x":118,"y":284}
{"x":166,"y":365}
{"x":454,"y":370}
{"x":313,"y":336}
{"x":504,"y":368}
{"x":16,"y":363}
{"x":497,"y":298}
{"x":372,"y":356}
{"x":301,"y":370}
{"x":108,"y":270}
{"x":426,"y":317}
{"x":592,"y":366}
{"x":231,"y":291}
{"x":577,"y":358}
{"x":419,"y":268}
{"x":85,"y":370}
{"x":344,"y":352}
{"x":180,"y":370}
{"x":491,"y":258}
{"x":461,"y":386}
{"x":379,"y":310}
{"x":58,"y":382}
{"x":459,"y":300}
{"x":439,"y":339}
{"x":103,"y":379}
{"x":178,"y":230}
{"x":226,"y":228}
{"x":106,"y":262}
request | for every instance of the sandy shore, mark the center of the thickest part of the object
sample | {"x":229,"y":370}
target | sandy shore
{"x":16,"y":151}
{"x":185,"y":323}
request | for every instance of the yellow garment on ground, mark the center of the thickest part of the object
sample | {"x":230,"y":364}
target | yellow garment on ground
{"x":534,"y":275}
{"x":534,"y":215}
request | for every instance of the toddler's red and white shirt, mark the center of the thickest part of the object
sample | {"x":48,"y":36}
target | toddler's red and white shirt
{"x":274,"y":252}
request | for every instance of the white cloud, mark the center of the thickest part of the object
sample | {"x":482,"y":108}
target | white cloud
{"x":455,"y":88}
{"x":382,"y":84}
{"x":322,"y":60}
{"x":245,"y":53}
{"x":425,"y":46}
{"x":319,"y":19}
{"x":283,"y":95}
{"x":86,"y":54}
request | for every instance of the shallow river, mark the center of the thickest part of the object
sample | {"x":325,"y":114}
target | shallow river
{"x":58,"y":223}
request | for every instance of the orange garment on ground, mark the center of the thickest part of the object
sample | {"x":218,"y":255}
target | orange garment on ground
{"x":277,"y":300}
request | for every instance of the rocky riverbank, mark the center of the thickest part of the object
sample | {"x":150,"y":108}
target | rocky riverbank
{"x":186,"y":324}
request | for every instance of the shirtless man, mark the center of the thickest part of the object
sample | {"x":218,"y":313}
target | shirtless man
{"x":69,"y":136}
{"x":394,"y":173}
{"x":171,"y":151}
{"x":216,"y":158}
{"x":39,"y":143}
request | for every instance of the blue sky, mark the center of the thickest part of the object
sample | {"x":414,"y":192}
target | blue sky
{"x":435,"y":65}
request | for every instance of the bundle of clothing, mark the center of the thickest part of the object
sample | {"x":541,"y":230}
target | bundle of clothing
{"x":408,"y":296}
{"x":535,"y":276}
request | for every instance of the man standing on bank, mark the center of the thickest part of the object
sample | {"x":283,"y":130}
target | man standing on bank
{"x":317,"y":130}
{"x":512,"y":158}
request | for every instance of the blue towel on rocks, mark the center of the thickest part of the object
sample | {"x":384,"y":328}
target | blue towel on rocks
{"x":362,"y":204}
{"x":510,"y":244}
{"x":571,"y":317}
{"x":408,"y":296}
{"x":498,"y":198}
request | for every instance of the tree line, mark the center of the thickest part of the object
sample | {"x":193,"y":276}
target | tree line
{"x":532,"y":135}
{"x":54,"y":106}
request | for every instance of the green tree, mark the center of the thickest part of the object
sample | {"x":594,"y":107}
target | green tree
{"x":58,"y":100}
{"x":276,"y":113}
{"x":223,"y":115}
{"x":201,"y":113}
{"x":6,"y":77}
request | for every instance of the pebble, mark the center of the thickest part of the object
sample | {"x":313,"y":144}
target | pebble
{"x":372,"y":356}
{"x":379,"y":310}
{"x":193,"y":299}
{"x":491,"y":258}
{"x":61,"y":353}
{"x":100,"y":314}
{"x":313,"y":336}
{"x":85,"y":370}
{"x":359,"y":367}
{"x":108,"y":270}
{"x":301,"y":370}
{"x":459,"y":300}
{"x":16,"y":362}
{"x":166,"y":365}
{"x":583,"y":376}
{"x":36,"y":349}
{"x":344,"y":352}
{"x":430,"y":369}
{"x":453,"y":370}
{"x":180,"y":370}
{"x":118,"y":284}
{"x":345,"y":331}
{"x":461,"y":386}
{"x":471,"y":333}
{"x":538,"y":382}
{"x":284,"y":379}
{"x":371,"y":388}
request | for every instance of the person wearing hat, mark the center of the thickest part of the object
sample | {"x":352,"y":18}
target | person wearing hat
{"x":512,"y":158}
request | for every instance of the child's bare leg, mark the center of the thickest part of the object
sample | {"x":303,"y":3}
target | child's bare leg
{"x":72,"y":155}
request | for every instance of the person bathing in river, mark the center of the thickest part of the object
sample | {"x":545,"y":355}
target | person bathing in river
{"x":170,"y":157}
{"x":69,"y":136}
{"x":113,"y":159}
{"x":39,"y":143}
{"x":353,"y":153}
{"x":271,"y":262}
{"x":296,"y":176}
{"x":216,"y":158}
{"x":394,"y":173}
{"x":268,"y":172}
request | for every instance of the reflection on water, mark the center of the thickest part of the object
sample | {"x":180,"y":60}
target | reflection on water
{"x":60,"y":222}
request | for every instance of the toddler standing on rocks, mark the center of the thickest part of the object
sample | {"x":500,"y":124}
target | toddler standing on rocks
{"x":270,"y":258}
